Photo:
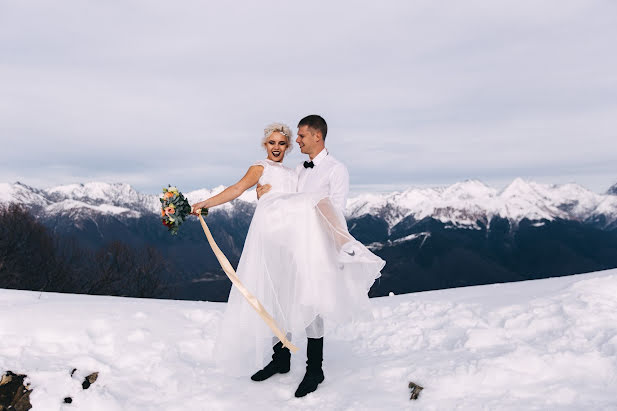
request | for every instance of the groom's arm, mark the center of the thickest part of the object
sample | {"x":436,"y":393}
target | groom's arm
{"x":339,"y":187}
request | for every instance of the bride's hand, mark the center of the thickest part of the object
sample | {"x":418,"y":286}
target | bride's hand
{"x":261,"y":190}
{"x":197,"y":206}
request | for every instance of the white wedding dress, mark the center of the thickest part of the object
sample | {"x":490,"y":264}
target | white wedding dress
{"x":300,"y":261}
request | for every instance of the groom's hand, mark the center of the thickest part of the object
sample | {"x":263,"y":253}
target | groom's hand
{"x":261,"y":190}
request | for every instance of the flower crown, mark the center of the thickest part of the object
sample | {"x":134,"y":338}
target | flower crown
{"x":283,"y":132}
{"x":277,"y":127}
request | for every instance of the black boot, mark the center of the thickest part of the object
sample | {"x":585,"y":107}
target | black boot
{"x":278,"y":365}
{"x":314,"y":374}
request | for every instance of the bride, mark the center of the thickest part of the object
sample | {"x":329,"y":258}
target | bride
{"x":298,"y":259}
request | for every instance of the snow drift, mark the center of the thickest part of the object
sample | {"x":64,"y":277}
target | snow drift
{"x":543,"y":344}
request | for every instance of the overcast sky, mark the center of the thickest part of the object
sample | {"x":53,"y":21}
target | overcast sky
{"x":414,"y":92}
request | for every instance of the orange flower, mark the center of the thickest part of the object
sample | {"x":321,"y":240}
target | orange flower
{"x":169,"y":194}
{"x":162,"y":212}
{"x":170,"y":210}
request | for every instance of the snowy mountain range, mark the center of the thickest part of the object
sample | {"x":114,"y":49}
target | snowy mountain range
{"x":469,"y":204}
{"x":431,"y":238}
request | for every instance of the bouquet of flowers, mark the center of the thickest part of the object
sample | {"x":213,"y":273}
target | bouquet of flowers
{"x":175,"y":208}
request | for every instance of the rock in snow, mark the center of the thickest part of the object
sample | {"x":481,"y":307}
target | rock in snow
{"x":543,"y":344}
{"x":14,"y":392}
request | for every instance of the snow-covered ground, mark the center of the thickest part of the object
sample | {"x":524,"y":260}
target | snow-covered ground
{"x":543,"y":344}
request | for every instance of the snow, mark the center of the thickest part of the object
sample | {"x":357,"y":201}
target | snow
{"x":73,"y":205}
{"x":378,"y":246}
{"x":93,"y":190}
{"x":97,"y":193}
{"x":468,"y":204}
{"x":608,"y":208}
{"x":543,"y":344}
{"x":101,"y":198}
{"x":21,"y":193}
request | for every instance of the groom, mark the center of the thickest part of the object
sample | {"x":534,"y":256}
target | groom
{"x":324,"y":174}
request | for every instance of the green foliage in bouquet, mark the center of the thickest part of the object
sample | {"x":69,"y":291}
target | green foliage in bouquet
{"x":175,"y":208}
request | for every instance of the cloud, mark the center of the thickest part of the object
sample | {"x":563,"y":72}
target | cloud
{"x":414,"y":92}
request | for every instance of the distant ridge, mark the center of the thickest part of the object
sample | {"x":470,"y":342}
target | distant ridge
{"x":469,"y":204}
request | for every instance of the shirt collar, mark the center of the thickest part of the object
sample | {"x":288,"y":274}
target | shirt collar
{"x":319,"y":157}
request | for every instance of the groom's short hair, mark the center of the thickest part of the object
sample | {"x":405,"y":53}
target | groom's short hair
{"x":316,"y":123}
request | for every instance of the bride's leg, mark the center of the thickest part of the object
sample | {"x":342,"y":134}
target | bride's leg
{"x":316,"y":328}
{"x":276,"y":340}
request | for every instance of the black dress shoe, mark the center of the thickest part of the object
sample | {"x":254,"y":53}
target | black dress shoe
{"x":280,"y":363}
{"x":314,"y":374}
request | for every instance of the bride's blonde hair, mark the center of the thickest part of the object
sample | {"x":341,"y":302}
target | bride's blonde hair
{"x":277,"y":127}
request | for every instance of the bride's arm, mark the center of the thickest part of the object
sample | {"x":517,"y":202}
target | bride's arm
{"x":232,"y":192}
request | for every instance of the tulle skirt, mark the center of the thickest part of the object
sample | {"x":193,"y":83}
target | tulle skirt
{"x":302,"y":264}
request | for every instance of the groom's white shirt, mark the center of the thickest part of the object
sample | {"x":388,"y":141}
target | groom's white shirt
{"x":328,"y":176}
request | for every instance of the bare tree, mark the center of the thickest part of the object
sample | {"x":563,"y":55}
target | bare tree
{"x":31,"y":258}
{"x":27,"y":255}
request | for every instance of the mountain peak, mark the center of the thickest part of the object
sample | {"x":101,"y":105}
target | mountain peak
{"x":20,"y":184}
{"x":517,"y":186}
{"x":469,"y":189}
{"x":94,"y":190}
{"x":612,"y":190}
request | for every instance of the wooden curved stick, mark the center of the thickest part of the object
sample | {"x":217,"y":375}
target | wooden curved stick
{"x":253,"y":301}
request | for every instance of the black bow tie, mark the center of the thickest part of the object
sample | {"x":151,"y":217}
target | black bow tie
{"x":308,"y":164}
